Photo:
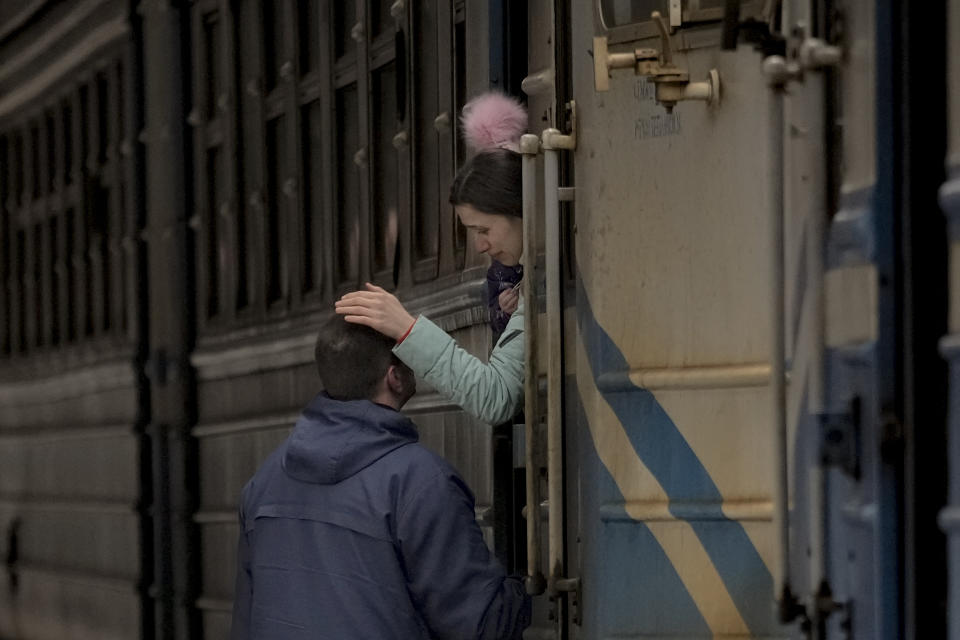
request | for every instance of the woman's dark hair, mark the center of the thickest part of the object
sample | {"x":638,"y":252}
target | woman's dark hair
{"x":490,"y":182}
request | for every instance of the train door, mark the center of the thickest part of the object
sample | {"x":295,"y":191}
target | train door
{"x":548,"y":226}
{"x":673,"y":470}
{"x":868,"y":458}
{"x":845,"y":491}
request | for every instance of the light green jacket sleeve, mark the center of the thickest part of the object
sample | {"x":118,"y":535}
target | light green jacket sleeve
{"x":492,"y":391}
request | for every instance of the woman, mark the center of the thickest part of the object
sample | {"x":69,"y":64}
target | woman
{"x":487,"y":197}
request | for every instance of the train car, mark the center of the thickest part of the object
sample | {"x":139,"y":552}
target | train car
{"x":740,"y":243}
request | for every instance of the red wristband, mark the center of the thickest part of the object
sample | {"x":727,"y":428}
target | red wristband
{"x":406,"y":333}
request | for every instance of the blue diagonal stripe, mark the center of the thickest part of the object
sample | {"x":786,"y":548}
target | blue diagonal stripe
{"x":669,"y":457}
{"x":638,"y":590}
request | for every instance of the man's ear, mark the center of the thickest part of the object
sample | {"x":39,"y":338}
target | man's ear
{"x":395,"y":380}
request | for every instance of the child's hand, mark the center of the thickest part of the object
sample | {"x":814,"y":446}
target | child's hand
{"x":375,"y":308}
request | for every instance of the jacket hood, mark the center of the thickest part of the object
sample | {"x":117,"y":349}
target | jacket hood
{"x":333,"y":439}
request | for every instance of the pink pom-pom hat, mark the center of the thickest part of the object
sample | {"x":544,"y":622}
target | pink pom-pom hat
{"x":493,"y":121}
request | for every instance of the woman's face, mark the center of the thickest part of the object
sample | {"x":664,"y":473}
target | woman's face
{"x":498,"y":236}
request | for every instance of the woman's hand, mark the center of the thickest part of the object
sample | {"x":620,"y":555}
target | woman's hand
{"x":509,"y":299}
{"x":375,"y":308}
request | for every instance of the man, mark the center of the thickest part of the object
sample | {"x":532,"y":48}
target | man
{"x":351,"y":529}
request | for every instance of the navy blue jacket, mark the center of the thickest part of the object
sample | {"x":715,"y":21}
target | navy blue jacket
{"x":351,"y":529}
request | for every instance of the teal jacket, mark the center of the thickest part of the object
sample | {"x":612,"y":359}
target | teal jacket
{"x":491,"y":391}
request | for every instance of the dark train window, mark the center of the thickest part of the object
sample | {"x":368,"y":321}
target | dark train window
{"x":310,"y":38}
{"x":212,"y":45}
{"x":103,"y":118}
{"x":212,"y":229}
{"x":21,"y":284}
{"x":51,"y":149}
{"x":100,"y":258}
{"x":119,"y":107}
{"x":44,"y":301}
{"x":17,"y":185}
{"x":36,"y":151}
{"x":4,"y":248}
{"x":276,"y":209}
{"x":348,"y":186}
{"x":428,"y":200}
{"x":36,"y":274}
{"x":301,"y":187}
{"x":66,"y":114}
{"x":311,"y":236}
{"x":84,"y":147}
{"x":55,"y":282}
{"x":384,"y":170}
{"x":70,"y":273}
{"x":460,"y":98}
{"x":63,"y":216}
{"x":345,"y":17}
{"x":380,"y":18}
{"x":618,"y":13}
{"x":275,"y":42}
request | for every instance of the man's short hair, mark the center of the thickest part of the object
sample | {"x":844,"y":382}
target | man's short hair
{"x":352,"y":359}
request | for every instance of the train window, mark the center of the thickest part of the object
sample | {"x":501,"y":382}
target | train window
{"x":83,"y":107}
{"x":460,"y":99}
{"x":314,"y":196}
{"x":627,"y":20}
{"x":211,"y":232}
{"x":384,"y":172}
{"x":54,"y":256}
{"x":70,"y":274}
{"x":618,"y":13}
{"x":17,"y":168}
{"x":345,"y":16}
{"x":4,"y":248}
{"x":36,"y":283}
{"x":211,"y":63}
{"x":63,"y":215}
{"x":309,"y":36}
{"x":348,"y":186}
{"x":428,"y":199}
{"x":36,"y":151}
{"x":311,"y":236}
{"x":103,"y":119}
{"x":276,"y":209}
{"x":99,"y":258}
{"x":114,"y":179}
{"x":19,"y":296}
{"x":67,"y":123}
{"x":51,"y":149}
{"x":275,"y":41}
{"x":380,"y":17}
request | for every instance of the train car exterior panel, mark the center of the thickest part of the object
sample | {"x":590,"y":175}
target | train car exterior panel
{"x":950,"y":345}
{"x":674,"y":362}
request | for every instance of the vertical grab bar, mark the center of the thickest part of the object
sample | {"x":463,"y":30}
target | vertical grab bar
{"x":778,"y":387}
{"x":816,"y":402}
{"x":530,"y":147}
{"x":552,"y":141}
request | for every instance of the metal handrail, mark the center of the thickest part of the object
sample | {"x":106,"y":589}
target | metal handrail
{"x":530,"y":148}
{"x":553,"y":141}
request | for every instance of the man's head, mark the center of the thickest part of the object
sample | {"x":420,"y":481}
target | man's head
{"x":356,"y":362}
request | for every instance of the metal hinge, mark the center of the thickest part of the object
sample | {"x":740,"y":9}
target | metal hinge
{"x":572,"y":586}
{"x":814,"y":625}
{"x":840,"y":439}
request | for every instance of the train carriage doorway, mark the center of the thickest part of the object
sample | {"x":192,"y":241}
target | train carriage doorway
{"x":672,"y":474}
